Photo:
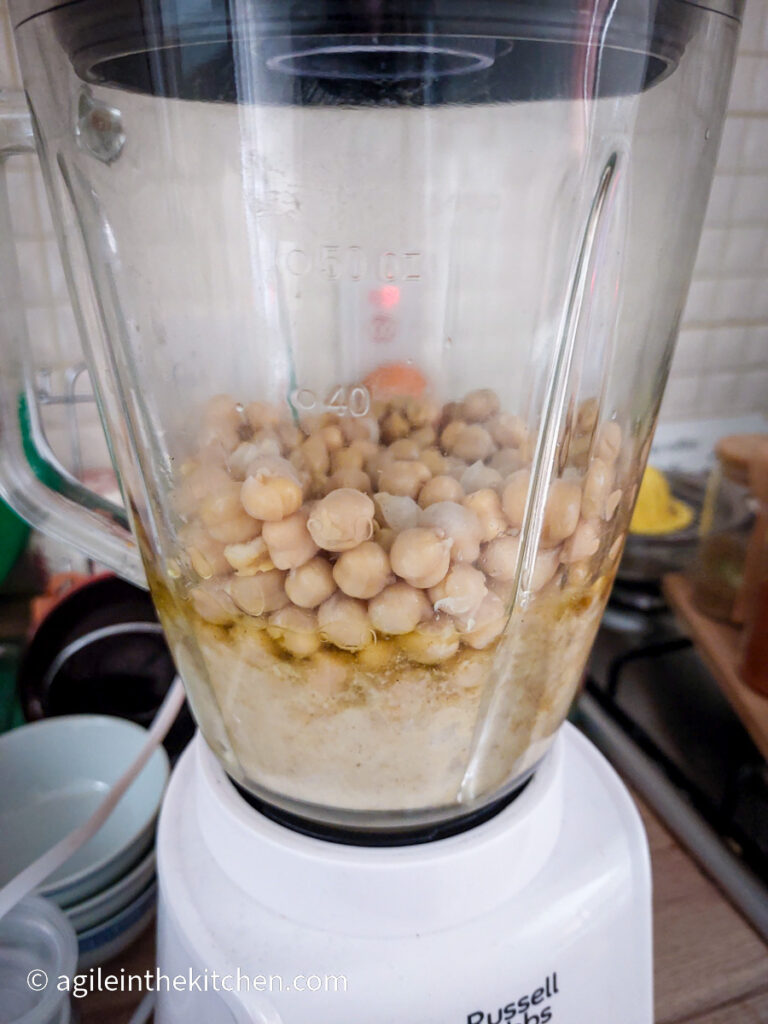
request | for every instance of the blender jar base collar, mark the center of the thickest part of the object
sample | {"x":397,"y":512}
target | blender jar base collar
{"x":541,"y":914}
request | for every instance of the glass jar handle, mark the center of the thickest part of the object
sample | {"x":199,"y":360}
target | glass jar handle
{"x":79,"y":516}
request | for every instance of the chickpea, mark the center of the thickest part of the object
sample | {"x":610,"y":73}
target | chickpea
{"x":332,"y":437}
{"x":313,"y":423}
{"x":222,"y":408}
{"x":544,"y":568}
{"x":221,"y":504}
{"x":199,"y":481}
{"x":460,"y":525}
{"x":213,"y":604}
{"x":404,"y":478}
{"x":616,"y":547}
{"x":422,"y":412}
{"x":499,"y":558}
{"x":434,"y":460}
{"x":460,"y":592}
{"x":289,"y":541}
{"x":249,"y":558}
{"x":377,"y":656}
{"x":424,"y":437}
{"x":374,"y":464}
{"x":579,"y":574}
{"x":583,"y":543}
{"x":454,"y":467}
{"x":221,"y":423}
{"x":397,"y":511}
{"x":486,"y":505}
{"x":586,"y":416}
{"x":432,"y":642}
{"x":249,"y":452}
{"x":347,"y":458}
{"x":611,"y":504}
{"x":234,"y":531}
{"x":394,"y":426}
{"x":504,"y":591}
{"x":514,"y":497}
{"x":596,"y":485}
{"x":482,"y":627}
{"x":452,"y":411}
{"x":206,"y":555}
{"x":385,"y":537}
{"x":296,"y":631}
{"x":473,"y":442}
{"x":421,"y":556}
{"x":480,"y":405}
{"x":363,"y":571}
{"x":451,"y":433}
{"x":257,"y":595}
{"x":508,"y":431}
{"x":367,"y":449}
{"x":608,"y":442}
{"x":478,"y":476}
{"x":223,"y":515}
{"x":344,"y":622}
{"x":342,"y":520}
{"x":300,"y":468}
{"x":506,"y":461}
{"x":360,"y":428}
{"x":440,"y":488}
{"x":405,"y":449}
{"x":311,"y":583}
{"x":271,"y":490}
{"x":355,"y":479}
{"x":315,"y":454}
{"x":578,"y":450}
{"x":290,"y":435}
{"x":561,"y":515}
{"x":398,"y":609}
{"x":261,"y":414}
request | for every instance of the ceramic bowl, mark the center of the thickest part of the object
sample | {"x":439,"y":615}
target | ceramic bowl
{"x":105,"y":940}
{"x":113,"y":899}
{"x":55,"y":774}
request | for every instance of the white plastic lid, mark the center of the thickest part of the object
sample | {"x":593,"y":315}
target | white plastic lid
{"x":38,"y":946}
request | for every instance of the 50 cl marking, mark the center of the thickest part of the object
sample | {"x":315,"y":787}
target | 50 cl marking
{"x":344,"y":400}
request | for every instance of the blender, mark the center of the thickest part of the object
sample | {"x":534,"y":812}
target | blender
{"x":379,"y":301}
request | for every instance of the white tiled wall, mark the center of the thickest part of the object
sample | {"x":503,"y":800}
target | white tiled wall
{"x":721,"y":364}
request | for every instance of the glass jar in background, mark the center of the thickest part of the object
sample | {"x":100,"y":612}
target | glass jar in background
{"x":725,"y":526}
{"x":754,"y":594}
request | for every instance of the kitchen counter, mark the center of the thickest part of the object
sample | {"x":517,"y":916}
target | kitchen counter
{"x":710,"y":966}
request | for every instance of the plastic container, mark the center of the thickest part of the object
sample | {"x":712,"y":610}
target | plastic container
{"x":724,"y":530}
{"x":38,"y":946}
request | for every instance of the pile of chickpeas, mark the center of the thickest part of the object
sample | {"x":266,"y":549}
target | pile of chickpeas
{"x":403,"y":523}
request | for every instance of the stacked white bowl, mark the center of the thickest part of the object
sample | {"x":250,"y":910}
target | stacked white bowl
{"x":56,"y":773}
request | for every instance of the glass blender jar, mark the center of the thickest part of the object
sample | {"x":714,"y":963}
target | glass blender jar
{"x":379,"y":301}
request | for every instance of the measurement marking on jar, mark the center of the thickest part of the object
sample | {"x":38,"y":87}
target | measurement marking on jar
{"x":350,"y":263}
{"x":344,"y":400}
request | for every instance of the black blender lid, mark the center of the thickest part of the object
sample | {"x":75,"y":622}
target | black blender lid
{"x":380,"y":52}
{"x":101,"y":650}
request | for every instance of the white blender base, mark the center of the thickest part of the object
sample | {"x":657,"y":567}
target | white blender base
{"x":542,"y":915}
